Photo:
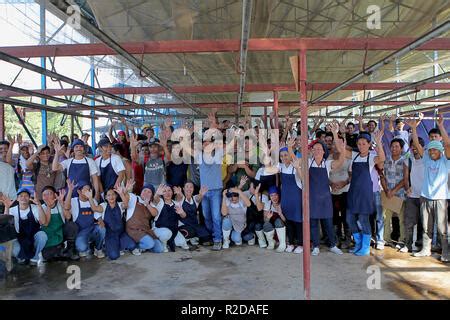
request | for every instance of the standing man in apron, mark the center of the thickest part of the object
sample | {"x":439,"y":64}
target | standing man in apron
{"x":291,"y":196}
{"x":320,"y":194}
{"x":111,"y":168}
{"x":80,"y":169}
{"x":28,"y":219}
{"x":85,"y":213}
{"x":360,"y":204}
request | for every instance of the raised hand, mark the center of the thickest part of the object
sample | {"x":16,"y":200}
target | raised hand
{"x":392,"y":117}
{"x":179,"y":210}
{"x":291,"y":142}
{"x":71,"y":185}
{"x":35,"y":199}
{"x":11,"y":140}
{"x":57,"y":146}
{"x":129,"y":185}
{"x":7,"y":202}
{"x":378,"y":137}
{"x":88,"y":194}
{"x":297,"y":163}
{"x":19,"y":139}
{"x":203,"y":190}
{"x":160,"y":190}
{"x":243,"y":181}
{"x":414,"y":123}
{"x":61,"y":195}
{"x":334,"y":126}
{"x":257,"y":188}
{"x":440,"y":120}
{"x":177,"y":191}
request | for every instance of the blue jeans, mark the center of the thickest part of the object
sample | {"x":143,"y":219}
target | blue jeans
{"x":97,"y":235}
{"x":211,"y":204}
{"x":236,"y":237}
{"x":379,"y":217}
{"x":40,"y":239}
{"x":148,"y":243}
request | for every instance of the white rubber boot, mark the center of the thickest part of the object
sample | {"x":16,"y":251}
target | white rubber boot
{"x":164,"y":245}
{"x":270,"y":240}
{"x":226,"y":238}
{"x":261,"y":239}
{"x":281,"y":233}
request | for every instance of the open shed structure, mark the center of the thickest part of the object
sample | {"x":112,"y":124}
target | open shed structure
{"x":292,"y":57}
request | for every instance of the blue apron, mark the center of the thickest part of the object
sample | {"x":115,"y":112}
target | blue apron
{"x":114,"y":229}
{"x":267,"y":182}
{"x":291,"y":197}
{"x":191,"y":219}
{"x":108,"y":176}
{"x":27,"y":229}
{"x":85,"y":220}
{"x":168,"y":218}
{"x":79,"y":173}
{"x":321,"y":205}
{"x":360,"y":193}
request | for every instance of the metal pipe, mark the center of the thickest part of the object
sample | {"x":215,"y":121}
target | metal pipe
{"x":391,"y":92}
{"x":22,"y":122}
{"x":444,"y":27}
{"x":37,"y":106}
{"x":437,"y":107}
{"x":102,"y":36}
{"x":245,"y":35}
{"x":416,"y":102}
{"x":46,"y":97}
{"x":42,"y":28}
{"x":54,"y":75}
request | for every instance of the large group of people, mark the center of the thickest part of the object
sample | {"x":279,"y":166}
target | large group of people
{"x":132,"y":194}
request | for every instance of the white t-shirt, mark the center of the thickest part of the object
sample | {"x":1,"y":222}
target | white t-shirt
{"x":290,"y":170}
{"x":104,"y":205}
{"x":55,"y":210}
{"x":372,"y":156}
{"x":93,"y":170}
{"x":324,"y":164}
{"x":264,"y":172}
{"x":416,"y":176}
{"x":83,"y":204}
{"x":240,"y":204}
{"x":341,"y":174}
{"x":116,"y":163}
{"x":14,"y":211}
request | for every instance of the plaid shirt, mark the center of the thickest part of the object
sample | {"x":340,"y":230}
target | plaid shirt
{"x":393,"y":173}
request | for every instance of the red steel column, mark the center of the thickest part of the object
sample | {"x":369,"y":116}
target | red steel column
{"x":305,"y":174}
{"x":275,"y":108}
{"x":2,"y":121}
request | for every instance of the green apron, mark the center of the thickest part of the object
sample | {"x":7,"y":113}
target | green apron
{"x":54,"y":230}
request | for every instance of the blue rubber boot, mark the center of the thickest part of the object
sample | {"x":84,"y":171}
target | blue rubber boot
{"x":358,"y":239}
{"x":365,"y":247}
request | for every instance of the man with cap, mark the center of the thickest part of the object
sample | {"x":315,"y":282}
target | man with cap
{"x":111,"y":168}
{"x":80,"y":169}
{"x":28,"y":219}
{"x":87,"y":148}
{"x":122,"y":138}
{"x":434,"y":193}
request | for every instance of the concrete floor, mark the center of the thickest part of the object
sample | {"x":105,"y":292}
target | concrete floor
{"x":238,"y":273}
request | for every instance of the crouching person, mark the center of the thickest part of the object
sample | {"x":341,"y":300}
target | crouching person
{"x":85,"y":211}
{"x":273,"y":220}
{"x":57,"y":227}
{"x":168,"y":216}
{"x":191,"y":229}
{"x":28,"y":219}
{"x":116,"y":239}
{"x":139,"y":214}
{"x":234,"y":212}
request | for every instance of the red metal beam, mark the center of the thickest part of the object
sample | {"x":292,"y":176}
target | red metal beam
{"x":230,"y":88}
{"x":281,"y":104}
{"x":305,"y":173}
{"x":225,"y":45}
{"x":2,"y":121}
